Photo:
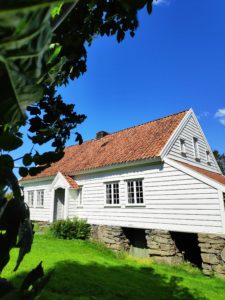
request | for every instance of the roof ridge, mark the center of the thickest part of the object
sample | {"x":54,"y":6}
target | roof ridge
{"x":94,"y":139}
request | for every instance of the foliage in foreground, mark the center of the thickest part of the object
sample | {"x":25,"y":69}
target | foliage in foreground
{"x":83,"y":270}
{"x":71,"y":229}
{"x":43,"y":46}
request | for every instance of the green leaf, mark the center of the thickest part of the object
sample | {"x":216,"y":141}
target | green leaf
{"x":33,"y":110}
{"x":23,"y":172}
{"x":57,"y":48}
{"x":149,"y":6}
{"x":79,"y":138}
{"x":57,"y":9}
{"x":33,"y":276}
{"x":54,"y":71}
{"x":6,"y":161}
{"x":25,"y":238}
{"x":33,"y":171}
{"x":23,"y":58}
{"x":120,"y":35}
{"x":27,"y":159}
{"x":9,"y":142}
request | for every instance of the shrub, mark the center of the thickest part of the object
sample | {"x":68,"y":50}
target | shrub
{"x":71,"y":229}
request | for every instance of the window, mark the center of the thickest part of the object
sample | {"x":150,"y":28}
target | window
{"x":224,"y":199}
{"x":196,"y":149}
{"x":40,"y":198}
{"x":135,"y":191}
{"x":182,"y":147}
{"x":80,"y":196}
{"x":30,"y":197}
{"x":112,"y":193}
{"x":208,"y":157}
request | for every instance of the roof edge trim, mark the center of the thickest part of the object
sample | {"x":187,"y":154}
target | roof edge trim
{"x":195,"y":174}
{"x":175,"y":134}
{"x":207,"y":143}
{"x":44,"y":178}
{"x":135,"y":163}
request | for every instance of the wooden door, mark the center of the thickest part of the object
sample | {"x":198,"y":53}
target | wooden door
{"x":59,"y":204}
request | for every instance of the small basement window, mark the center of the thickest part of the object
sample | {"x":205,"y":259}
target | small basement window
{"x":112,"y":193}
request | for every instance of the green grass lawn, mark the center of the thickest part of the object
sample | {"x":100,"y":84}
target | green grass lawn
{"x":84,"y":271}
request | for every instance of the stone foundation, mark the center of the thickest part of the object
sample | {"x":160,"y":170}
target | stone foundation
{"x":112,"y":236}
{"x":161,"y":247}
{"x":213,"y":254}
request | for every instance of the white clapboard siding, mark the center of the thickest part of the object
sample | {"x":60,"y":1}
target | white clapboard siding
{"x":43,"y":213}
{"x":189,"y":131}
{"x":173,"y":201}
{"x":72,"y":203}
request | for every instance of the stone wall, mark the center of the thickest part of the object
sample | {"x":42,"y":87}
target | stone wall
{"x":112,"y":236}
{"x":213,"y":254}
{"x":162,"y":247}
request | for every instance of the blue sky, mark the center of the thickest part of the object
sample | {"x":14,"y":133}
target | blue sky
{"x":175,"y":61}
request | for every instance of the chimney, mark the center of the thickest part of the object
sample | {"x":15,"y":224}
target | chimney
{"x":101,"y":134}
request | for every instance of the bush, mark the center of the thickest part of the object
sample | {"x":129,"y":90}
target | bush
{"x":71,"y":229}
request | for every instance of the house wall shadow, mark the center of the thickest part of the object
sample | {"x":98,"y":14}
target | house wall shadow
{"x":71,"y":281}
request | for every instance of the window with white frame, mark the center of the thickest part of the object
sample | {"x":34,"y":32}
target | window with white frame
{"x":40,"y":198}
{"x":112,"y":193}
{"x":30,"y":198}
{"x":208,"y":157}
{"x":182,"y":147}
{"x":135,"y":191}
{"x":196,"y":148}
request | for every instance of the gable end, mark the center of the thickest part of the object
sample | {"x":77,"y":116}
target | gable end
{"x":196,"y":151}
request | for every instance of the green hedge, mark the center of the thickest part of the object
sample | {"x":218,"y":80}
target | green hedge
{"x":71,"y":229}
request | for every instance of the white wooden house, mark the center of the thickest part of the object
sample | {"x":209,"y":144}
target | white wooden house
{"x":158,"y":175}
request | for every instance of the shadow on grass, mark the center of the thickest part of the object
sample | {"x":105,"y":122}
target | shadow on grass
{"x":73,"y":281}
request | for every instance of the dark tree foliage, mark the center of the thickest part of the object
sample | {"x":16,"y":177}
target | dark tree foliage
{"x":220,"y":158}
{"x":43,"y":46}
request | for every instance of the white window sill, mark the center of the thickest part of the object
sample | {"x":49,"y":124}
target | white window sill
{"x":135,"y":205}
{"x":39,"y":207}
{"x":112,"y":205}
{"x":80,"y":206}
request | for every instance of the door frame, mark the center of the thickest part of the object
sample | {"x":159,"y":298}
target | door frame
{"x":59,"y":182}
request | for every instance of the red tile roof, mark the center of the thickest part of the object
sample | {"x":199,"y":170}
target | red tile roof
{"x":132,"y":144}
{"x":72,"y":182}
{"x":212,"y":175}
